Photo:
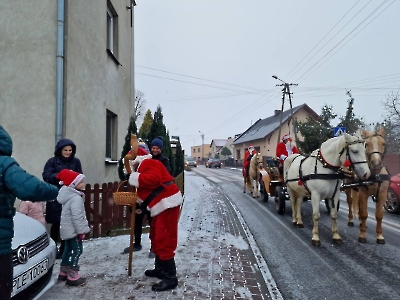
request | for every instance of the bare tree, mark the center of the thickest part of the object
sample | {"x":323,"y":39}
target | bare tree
{"x":391,"y":107}
{"x":140,"y":105}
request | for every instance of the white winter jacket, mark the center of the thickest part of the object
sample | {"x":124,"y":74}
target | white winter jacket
{"x":73,"y":215}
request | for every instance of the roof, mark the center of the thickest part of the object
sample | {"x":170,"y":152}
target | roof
{"x":265,"y":127}
{"x":219,"y":142}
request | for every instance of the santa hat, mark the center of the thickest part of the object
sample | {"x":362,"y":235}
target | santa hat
{"x":251,"y":146}
{"x":70,"y":178}
{"x":286,"y":136}
{"x":142,"y":154}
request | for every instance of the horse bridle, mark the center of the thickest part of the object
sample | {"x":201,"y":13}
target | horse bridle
{"x":376,"y":152}
{"x":259,"y":165}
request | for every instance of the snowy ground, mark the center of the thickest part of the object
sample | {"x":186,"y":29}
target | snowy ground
{"x":199,"y":259}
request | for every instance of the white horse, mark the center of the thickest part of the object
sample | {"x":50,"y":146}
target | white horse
{"x":256,"y":165}
{"x":320,"y":176}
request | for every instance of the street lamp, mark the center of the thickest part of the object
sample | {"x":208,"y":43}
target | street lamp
{"x":202,"y":145}
{"x":285,"y":91}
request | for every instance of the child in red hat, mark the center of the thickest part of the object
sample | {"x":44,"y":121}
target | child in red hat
{"x":74,"y":225}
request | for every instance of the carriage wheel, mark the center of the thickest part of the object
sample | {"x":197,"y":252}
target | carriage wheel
{"x":280,"y":200}
{"x":263,"y":192}
{"x":328,"y":208}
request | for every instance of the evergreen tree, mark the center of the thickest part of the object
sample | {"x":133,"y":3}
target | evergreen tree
{"x":225,"y":151}
{"x":351,"y":123}
{"x":392,"y":136}
{"x":315,"y":132}
{"x":158,"y":129}
{"x":132,"y":129}
{"x":146,"y":126}
{"x":179,"y":160}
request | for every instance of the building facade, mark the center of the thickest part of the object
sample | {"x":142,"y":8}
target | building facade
{"x":67,"y":72}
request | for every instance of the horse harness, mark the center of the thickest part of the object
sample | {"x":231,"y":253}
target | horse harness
{"x":374,"y":178}
{"x":339,"y":172}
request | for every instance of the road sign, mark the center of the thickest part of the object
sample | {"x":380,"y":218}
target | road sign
{"x":338,"y":131}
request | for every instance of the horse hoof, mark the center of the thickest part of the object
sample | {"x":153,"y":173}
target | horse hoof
{"x":244,"y":191}
{"x":316,"y":243}
{"x":300,"y":225}
{"x":338,"y":241}
{"x":362,"y":240}
{"x":294,"y":224}
{"x":380,"y":241}
{"x":350,"y":224}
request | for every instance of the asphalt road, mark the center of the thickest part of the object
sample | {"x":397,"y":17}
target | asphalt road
{"x":302,"y":271}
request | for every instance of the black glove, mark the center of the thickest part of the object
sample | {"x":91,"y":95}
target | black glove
{"x":142,"y":208}
{"x":127,"y":176}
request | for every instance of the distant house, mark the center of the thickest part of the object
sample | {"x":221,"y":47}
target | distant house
{"x":265,"y":134}
{"x":217,"y":145}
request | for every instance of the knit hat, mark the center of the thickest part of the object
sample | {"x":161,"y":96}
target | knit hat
{"x":70,"y":178}
{"x":158,"y":142}
{"x":286,"y":136}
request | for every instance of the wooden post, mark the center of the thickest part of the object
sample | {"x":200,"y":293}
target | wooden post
{"x":131,"y":239}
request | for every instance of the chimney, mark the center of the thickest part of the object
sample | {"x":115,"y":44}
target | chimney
{"x":277,"y":112}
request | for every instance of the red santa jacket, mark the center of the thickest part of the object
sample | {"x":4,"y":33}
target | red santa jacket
{"x":246,"y":162}
{"x":151,"y":174}
{"x":281,"y":149}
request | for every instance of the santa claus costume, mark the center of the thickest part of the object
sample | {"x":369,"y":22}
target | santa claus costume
{"x":246,"y":161}
{"x":158,"y":193}
{"x":285,"y":148}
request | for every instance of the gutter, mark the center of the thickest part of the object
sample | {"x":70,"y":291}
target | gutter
{"x":60,"y":70}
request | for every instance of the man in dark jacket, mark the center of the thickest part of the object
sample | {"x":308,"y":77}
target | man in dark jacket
{"x":64,"y":158}
{"x":14,"y":182}
{"x":156,"y":152}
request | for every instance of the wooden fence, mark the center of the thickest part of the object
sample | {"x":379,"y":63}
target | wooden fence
{"x":102,"y":213}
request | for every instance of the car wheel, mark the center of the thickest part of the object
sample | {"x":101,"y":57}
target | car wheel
{"x":392,"y":203}
{"x":280,"y":200}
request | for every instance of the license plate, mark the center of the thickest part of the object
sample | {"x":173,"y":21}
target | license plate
{"x":30,"y":276}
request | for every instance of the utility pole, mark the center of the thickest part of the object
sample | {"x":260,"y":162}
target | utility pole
{"x":202,"y":145}
{"x":285,"y":91}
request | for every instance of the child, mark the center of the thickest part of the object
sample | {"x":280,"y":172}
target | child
{"x":33,"y":210}
{"x":74,"y":225}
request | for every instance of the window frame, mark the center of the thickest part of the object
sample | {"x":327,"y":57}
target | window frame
{"x":112,"y":33}
{"x":111,"y":137}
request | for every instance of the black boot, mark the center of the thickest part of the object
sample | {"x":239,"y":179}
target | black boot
{"x":157,"y":271}
{"x":170,"y":281}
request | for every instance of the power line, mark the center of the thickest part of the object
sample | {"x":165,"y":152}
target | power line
{"x":349,"y":39}
{"x":322,"y":39}
{"x":345,"y":38}
{"x":214,"y":81}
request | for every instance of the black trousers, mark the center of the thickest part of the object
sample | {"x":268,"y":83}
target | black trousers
{"x":139,"y":226}
{"x":55,"y":235}
{"x":6,"y":276}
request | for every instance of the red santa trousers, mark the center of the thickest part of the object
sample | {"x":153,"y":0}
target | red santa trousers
{"x":164,"y":233}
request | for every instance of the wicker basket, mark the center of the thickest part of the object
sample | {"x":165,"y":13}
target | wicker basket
{"x":124,"y":198}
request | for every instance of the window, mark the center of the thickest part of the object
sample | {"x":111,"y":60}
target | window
{"x":111,"y":136}
{"x":112,"y":32}
{"x":238,"y":154}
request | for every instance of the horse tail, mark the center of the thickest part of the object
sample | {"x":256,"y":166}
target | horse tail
{"x":355,"y":204}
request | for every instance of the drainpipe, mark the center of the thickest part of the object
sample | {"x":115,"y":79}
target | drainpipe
{"x":60,"y":70}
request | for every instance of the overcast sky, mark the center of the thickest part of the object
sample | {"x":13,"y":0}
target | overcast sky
{"x":209,"y":64}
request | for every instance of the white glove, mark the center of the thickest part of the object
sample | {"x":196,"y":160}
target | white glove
{"x":283,"y":156}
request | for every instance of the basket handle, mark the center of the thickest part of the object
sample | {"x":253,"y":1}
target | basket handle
{"x":121,"y":184}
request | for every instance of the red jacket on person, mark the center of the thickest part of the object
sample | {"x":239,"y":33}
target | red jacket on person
{"x":282,"y":153}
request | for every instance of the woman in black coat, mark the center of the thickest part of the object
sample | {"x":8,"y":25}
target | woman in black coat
{"x":64,"y":158}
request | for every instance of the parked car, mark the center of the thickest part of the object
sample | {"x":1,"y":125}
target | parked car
{"x":392,"y":204}
{"x":190,"y":162}
{"x":213,"y":163}
{"x":34,"y":254}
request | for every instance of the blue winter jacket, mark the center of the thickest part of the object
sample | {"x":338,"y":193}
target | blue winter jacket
{"x":51,"y":169}
{"x":16,"y":182}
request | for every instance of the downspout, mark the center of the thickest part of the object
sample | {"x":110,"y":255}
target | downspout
{"x":60,"y":70}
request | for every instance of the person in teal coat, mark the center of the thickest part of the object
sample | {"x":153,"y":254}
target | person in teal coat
{"x":14,"y":182}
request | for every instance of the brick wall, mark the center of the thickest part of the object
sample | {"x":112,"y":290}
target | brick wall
{"x":392,"y":163}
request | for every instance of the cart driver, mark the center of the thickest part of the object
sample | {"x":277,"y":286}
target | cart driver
{"x":247,"y":157}
{"x":285,"y":148}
